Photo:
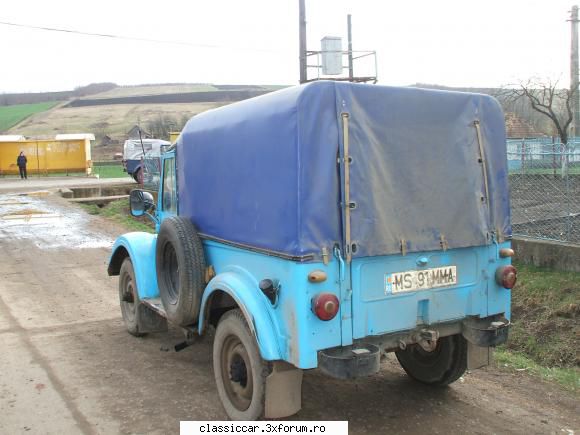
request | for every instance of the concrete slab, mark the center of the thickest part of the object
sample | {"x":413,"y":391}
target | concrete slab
{"x":33,"y":183}
{"x":98,"y":200}
{"x":545,"y":253}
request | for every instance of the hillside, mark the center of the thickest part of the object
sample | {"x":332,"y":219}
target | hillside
{"x":109,"y":112}
{"x":141,"y":90}
{"x":112,"y":121}
{"x":11,"y":99}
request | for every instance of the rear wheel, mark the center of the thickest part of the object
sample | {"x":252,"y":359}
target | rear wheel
{"x":444,"y":365}
{"x":129,"y":298}
{"x":239,"y":370}
{"x":138,"y":176}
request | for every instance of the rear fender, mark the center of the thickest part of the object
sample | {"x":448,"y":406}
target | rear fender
{"x":140,"y":247}
{"x":243,"y":288}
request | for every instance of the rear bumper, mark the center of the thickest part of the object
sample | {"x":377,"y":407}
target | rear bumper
{"x":362,"y":358}
{"x":484,"y":332}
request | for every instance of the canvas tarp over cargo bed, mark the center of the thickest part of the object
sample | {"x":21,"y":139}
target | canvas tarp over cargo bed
{"x":263,"y":172}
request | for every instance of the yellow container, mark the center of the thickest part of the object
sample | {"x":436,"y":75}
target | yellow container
{"x":46,"y":156}
{"x":173,"y":135}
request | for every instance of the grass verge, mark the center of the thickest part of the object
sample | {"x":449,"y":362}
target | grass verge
{"x":545,"y":333}
{"x":545,"y":316}
{"x":110,"y":171}
{"x":118,"y":211}
{"x":569,"y":378}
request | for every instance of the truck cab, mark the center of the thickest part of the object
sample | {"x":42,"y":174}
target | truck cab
{"x":322,"y":226}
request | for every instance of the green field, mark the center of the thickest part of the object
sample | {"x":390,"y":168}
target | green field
{"x":12,"y":115}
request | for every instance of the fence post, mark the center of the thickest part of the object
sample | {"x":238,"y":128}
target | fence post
{"x":523,"y":156}
{"x":554,"y":156}
{"x":568,"y":195}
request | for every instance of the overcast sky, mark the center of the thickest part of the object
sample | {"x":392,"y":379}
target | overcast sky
{"x":447,"y":42}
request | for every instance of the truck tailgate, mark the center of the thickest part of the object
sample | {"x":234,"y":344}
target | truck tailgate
{"x":457,"y":288}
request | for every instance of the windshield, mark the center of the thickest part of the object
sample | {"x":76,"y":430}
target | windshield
{"x":151,"y":170}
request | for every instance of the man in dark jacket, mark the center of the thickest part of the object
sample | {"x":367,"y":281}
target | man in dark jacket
{"x":21,"y":162}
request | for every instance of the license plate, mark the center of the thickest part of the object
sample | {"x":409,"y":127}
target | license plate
{"x":413,"y":280}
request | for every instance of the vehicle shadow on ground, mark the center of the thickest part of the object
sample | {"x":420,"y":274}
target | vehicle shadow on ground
{"x":148,"y":387}
{"x":371,"y":404}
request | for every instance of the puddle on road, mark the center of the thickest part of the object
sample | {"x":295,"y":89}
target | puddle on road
{"x":12,"y":202}
{"x":36,"y":194}
{"x":26,"y":211}
{"x":27,"y":217}
{"x":48,"y":226}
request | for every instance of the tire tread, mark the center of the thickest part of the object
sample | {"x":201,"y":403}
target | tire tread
{"x":264,"y":369}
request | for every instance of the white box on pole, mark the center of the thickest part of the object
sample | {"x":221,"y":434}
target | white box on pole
{"x":331,"y":47}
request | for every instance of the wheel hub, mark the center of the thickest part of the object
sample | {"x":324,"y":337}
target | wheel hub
{"x":238,"y":371}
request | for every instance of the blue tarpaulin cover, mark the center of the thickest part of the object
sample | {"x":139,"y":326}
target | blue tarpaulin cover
{"x":263,"y":172}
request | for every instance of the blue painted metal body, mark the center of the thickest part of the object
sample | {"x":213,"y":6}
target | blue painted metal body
{"x":288,"y":329}
{"x":141,"y":249}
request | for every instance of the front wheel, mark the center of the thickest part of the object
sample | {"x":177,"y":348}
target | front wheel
{"x":129,"y":298}
{"x":239,"y":370}
{"x":444,"y":365}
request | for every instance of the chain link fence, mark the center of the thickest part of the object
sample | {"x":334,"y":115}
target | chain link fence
{"x":544,"y":179}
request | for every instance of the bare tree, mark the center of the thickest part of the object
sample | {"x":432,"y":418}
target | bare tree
{"x":546,"y":98}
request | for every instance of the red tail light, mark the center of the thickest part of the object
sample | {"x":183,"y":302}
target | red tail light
{"x":506,"y":276}
{"x":325,"y":306}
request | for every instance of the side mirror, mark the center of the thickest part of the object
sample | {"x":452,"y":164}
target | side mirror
{"x":140,"y":202}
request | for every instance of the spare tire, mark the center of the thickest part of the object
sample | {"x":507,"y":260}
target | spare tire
{"x":180,"y":264}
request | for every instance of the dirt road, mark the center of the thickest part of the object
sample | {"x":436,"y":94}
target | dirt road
{"x":67,"y":366}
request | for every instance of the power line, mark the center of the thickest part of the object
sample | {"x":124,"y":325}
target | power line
{"x":134,"y":38}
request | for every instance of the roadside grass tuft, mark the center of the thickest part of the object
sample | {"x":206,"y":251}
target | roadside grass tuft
{"x":569,"y":378}
{"x":546,"y":316}
{"x":545,"y":333}
{"x":118,"y":211}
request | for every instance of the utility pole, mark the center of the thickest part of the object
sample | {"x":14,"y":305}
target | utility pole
{"x":302,"y":41}
{"x":574,"y":72}
{"x":350,"y":67}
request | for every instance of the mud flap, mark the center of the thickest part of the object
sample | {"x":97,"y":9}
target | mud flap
{"x":150,"y":321}
{"x":283,"y":391}
{"x":478,"y":356}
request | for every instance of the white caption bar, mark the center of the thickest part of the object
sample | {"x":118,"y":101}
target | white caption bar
{"x":260,"y":427}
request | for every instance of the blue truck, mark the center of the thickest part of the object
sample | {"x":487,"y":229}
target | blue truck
{"x":136,"y":150}
{"x":322,"y":226}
